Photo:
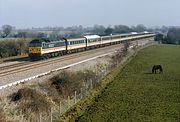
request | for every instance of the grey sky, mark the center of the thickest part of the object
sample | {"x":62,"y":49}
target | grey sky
{"x":40,"y":13}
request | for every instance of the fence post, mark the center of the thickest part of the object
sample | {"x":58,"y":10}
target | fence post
{"x":40,"y":116}
{"x":91,"y":84}
{"x":68,"y":101}
{"x":22,"y":117}
{"x":85,"y":87}
{"x":75,"y":96}
{"x":81,"y":93}
{"x":51,"y":114}
{"x":60,"y":108}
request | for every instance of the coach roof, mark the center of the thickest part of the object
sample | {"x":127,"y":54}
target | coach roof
{"x":92,"y":37}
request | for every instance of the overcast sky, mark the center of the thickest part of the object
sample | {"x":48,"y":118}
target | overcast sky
{"x":40,"y":13}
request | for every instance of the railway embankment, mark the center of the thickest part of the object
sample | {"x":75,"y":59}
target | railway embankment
{"x":51,"y":90}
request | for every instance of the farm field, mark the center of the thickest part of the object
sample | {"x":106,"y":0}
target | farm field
{"x":138,"y":95}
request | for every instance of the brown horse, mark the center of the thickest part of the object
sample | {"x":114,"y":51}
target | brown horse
{"x":157,"y":68}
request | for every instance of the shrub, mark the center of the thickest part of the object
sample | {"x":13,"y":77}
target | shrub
{"x":13,"y":47}
{"x":66,"y":83}
{"x":2,"y":115}
{"x":31,"y":103}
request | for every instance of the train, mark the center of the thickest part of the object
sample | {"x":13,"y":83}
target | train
{"x":45,"y":48}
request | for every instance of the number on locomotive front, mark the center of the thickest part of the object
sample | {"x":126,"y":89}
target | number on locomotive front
{"x":34,"y":50}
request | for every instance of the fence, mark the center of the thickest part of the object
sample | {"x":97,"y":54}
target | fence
{"x":72,"y":100}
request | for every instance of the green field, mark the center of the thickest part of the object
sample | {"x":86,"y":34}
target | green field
{"x":137,"y":95}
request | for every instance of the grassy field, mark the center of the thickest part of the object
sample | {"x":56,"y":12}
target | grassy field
{"x":137,"y":95}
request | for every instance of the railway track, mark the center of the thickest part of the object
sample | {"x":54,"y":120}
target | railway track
{"x":13,"y":65}
{"x":23,"y":60}
{"x":27,"y":65}
{"x":13,"y":58}
{"x":21,"y":67}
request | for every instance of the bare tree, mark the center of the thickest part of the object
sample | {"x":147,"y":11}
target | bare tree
{"x":21,"y":46}
{"x":6,"y":30}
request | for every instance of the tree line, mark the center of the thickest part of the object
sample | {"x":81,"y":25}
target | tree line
{"x":171,"y":37}
{"x":68,"y":32}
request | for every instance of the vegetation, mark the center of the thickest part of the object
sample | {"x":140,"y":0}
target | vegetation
{"x":37,"y":102}
{"x":31,"y":103}
{"x":172,"y":36}
{"x":66,"y":83}
{"x":13,"y":47}
{"x":2,"y":115}
{"x":69,"y":32}
{"x":136,"y":94}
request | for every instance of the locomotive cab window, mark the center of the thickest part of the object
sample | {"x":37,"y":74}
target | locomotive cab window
{"x":35,"y":45}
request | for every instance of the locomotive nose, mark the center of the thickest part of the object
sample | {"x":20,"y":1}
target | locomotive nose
{"x":34,"y":50}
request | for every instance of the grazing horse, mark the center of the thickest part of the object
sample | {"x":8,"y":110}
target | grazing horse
{"x":156,"y":68}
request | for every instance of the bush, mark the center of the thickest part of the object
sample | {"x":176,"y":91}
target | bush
{"x":2,"y":115}
{"x":13,"y":47}
{"x":8,"y":48}
{"x":32,"y":103}
{"x":66,"y":83}
{"x":120,"y":54}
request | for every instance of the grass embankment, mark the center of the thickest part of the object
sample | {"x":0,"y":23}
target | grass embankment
{"x":137,"y":95}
